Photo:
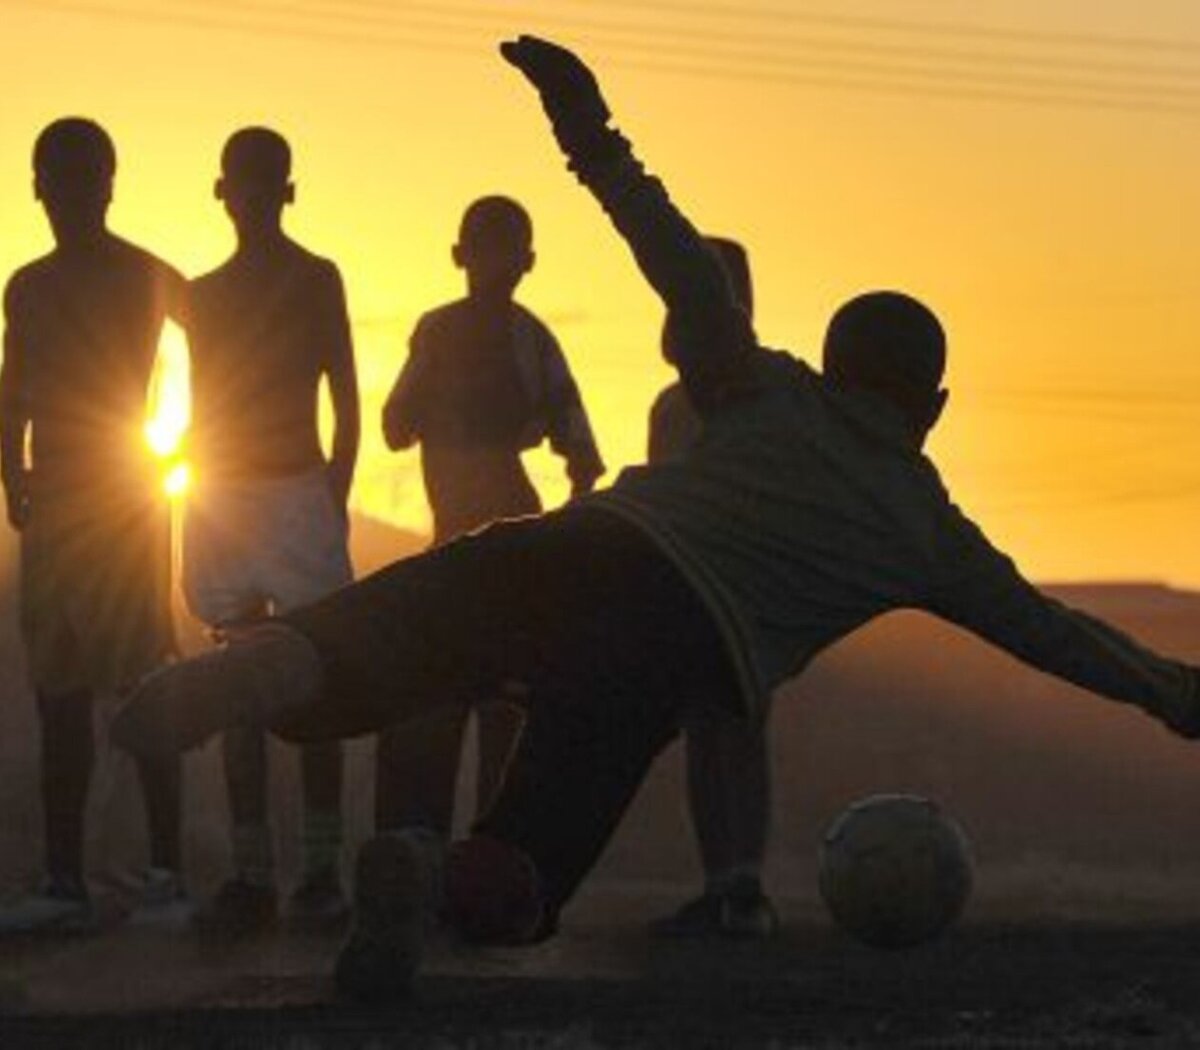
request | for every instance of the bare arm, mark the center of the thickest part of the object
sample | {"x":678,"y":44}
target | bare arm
{"x":984,"y":592}
{"x":715,"y":336}
{"x":343,"y":390}
{"x":402,"y":410}
{"x":570,"y":430}
{"x":14,"y":414}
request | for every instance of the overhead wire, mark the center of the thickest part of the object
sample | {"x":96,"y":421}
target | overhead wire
{"x":436,"y":33}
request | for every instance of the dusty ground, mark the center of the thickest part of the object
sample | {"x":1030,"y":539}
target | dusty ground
{"x":604,"y":984}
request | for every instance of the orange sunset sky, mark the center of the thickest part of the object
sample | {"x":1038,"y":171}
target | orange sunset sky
{"x":1028,"y":168}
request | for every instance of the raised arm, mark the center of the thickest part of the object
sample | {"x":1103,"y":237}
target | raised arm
{"x":715,"y":336}
{"x":983,"y":591}
{"x":14,"y":413}
{"x":343,"y":390}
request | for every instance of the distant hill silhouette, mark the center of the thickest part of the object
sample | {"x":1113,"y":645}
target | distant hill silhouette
{"x":1072,"y":803}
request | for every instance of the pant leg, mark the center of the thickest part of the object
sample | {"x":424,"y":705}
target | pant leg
{"x":416,"y":768}
{"x":632,"y":640}
{"x":425,"y":635}
{"x":582,"y":608}
{"x":161,"y":782}
{"x":68,"y":752}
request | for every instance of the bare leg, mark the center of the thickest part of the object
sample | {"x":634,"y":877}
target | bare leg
{"x":68,"y":754}
{"x":729,"y":790}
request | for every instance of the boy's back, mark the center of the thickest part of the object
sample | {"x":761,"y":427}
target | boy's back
{"x":262,"y":331}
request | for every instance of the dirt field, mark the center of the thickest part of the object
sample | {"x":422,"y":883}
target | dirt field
{"x":988,"y":985}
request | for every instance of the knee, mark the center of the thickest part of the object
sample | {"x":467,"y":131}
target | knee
{"x":493,"y":893}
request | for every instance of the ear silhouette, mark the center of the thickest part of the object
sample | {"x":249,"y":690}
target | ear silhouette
{"x":219,"y":189}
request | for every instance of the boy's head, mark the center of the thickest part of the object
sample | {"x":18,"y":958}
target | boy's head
{"x":255,"y":182}
{"x":74,"y":163}
{"x":495,"y":245}
{"x":736,"y":265}
{"x":891,"y":345}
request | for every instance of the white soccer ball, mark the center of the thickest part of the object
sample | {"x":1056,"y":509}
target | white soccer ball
{"x":895,"y":870}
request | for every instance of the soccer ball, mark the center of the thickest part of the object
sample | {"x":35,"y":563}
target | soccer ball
{"x":894,"y":870}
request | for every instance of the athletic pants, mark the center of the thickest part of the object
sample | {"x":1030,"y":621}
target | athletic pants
{"x":578,"y":612}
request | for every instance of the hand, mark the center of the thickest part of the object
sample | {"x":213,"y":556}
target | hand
{"x":584,"y":477}
{"x":569,"y":92}
{"x":16,"y":495}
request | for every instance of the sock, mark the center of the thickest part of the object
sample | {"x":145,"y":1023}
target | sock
{"x":322,"y":842}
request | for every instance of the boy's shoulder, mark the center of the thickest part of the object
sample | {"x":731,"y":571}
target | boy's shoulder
{"x":294,"y":262}
{"x":440,"y":322}
{"x":26,"y":280}
{"x":527,"y":319}
{"x":138,"y":260}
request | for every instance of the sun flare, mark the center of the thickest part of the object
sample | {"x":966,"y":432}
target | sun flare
{"x":169,"y":412}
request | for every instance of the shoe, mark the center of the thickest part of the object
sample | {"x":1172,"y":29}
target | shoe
{"x":161,"y":901}
{"x":318,"y":903}
{"x":397,"y":895}
{"x":57,"y":906}
{"x":741,"y":913}
{"x":259,"y":673}
{"x":238,"y":909}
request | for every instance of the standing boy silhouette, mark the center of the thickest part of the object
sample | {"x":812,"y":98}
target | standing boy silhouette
{"x":266,"y":524}
{"x":81,"y":334}
{"x":485,"y":379}
{"x":726,"y":761}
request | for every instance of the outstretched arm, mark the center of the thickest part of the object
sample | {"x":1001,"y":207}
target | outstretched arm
{"x":715,"y":335}
{"x":983,"y":591}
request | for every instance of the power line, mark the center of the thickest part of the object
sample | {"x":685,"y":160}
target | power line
{"x":968,"y":30}
{"x":725,"y":38}
{"x":860,"y":77}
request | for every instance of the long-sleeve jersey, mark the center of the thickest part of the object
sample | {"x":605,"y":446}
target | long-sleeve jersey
{"x":804,"y":511}
{"x":483,"y":382}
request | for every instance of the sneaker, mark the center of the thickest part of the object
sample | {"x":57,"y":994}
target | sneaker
{"x":57,"y":906}
{"x":318,"y":903}
{"x":258,"y":674}
{"x":161,"y":900}
{"x":238,"y":909}
{"x":397,"y":894}
{"x":737,"y":914}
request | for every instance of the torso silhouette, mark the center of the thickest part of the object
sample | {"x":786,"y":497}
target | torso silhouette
{"x":86,"y":323}
{"x":476,"y":388}
{"x":262,"y":329}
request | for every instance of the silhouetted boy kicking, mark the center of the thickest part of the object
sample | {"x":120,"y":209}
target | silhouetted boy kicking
{"x":81,"y":334}
{"x":266,"y":524}
{"x":485,"y":380}
{"x":805,"y":510}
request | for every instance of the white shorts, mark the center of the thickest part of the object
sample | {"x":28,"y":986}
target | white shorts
{"x":262,"y":543}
